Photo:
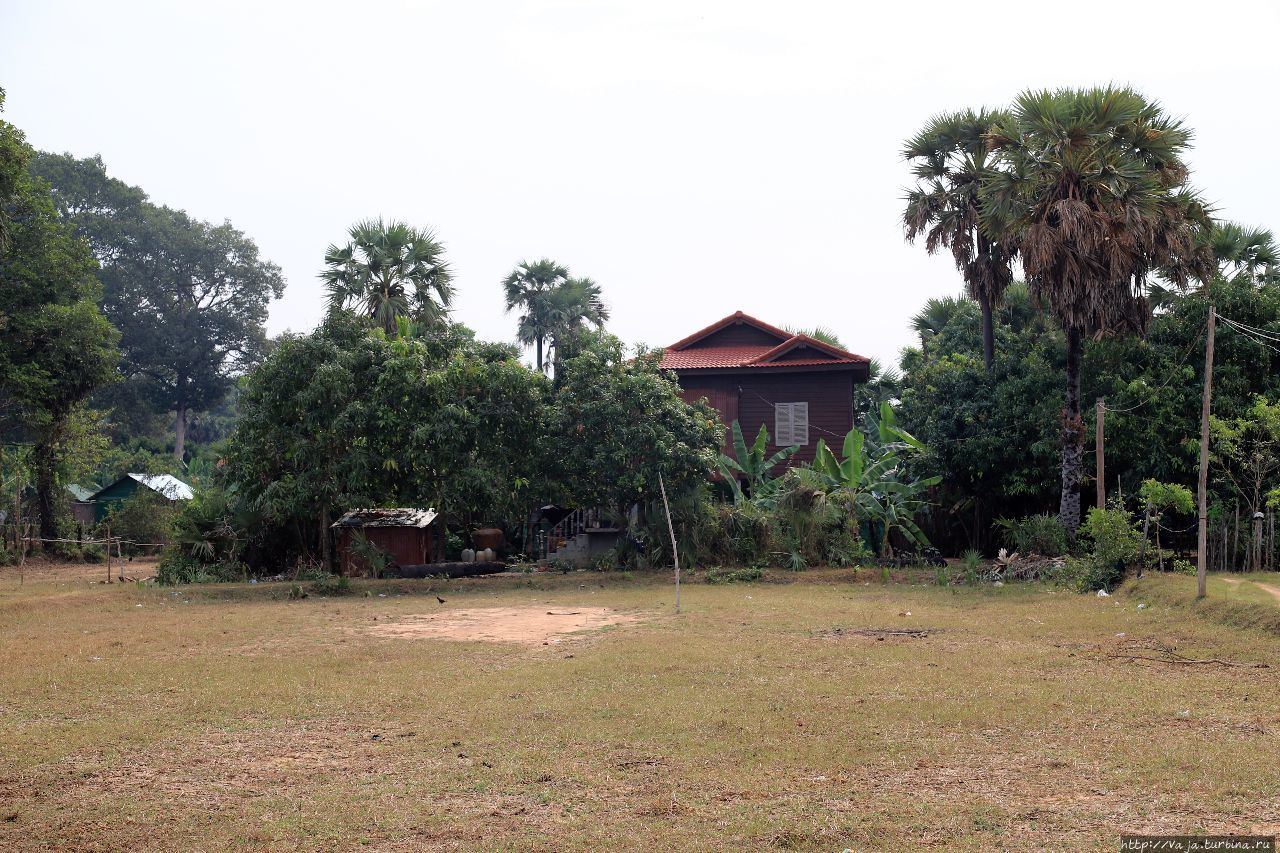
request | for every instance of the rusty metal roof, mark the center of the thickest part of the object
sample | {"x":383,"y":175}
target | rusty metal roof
{"x":398,"y":517}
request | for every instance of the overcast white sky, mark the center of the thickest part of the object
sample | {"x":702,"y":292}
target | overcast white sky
{"x":694,"y":158}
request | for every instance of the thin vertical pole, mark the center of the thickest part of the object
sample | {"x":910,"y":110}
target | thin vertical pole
{"x":671,"y":531}
{"x":108,"y":553}
{"x":1202,"y":534}
{"x":1100,"y":412}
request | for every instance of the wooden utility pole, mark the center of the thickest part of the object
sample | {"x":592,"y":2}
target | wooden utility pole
{"x":1101,"y":410}
{"x":1202,"y":534}
{"x":671,"y":531}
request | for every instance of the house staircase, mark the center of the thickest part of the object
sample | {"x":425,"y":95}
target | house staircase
{"x":576,"y":539}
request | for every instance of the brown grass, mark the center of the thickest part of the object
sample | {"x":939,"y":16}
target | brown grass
{"x":231,"y":718}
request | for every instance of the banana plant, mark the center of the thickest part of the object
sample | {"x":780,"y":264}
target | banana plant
{"x":874,"y":480}
{"x":750,"y":464}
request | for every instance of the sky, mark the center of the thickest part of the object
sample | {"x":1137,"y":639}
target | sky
{"x":693,"y":158}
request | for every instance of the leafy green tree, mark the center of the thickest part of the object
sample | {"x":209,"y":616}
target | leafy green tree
{"x":950,"y":160}
{"x":616,"y":422}
{"x":1159,"y":498}
{"x":389,"y":270}
{"x":56,"y":347}
{"x":190,"y":298}
{"x":1092,"y":188}
{"x":344,"y":417}
{"x":1246,"y":448}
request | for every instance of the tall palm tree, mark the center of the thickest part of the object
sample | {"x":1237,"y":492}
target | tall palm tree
{"x":389,"y":270}
{"x":1092,"y":188}
{"x":574,"y":305}
{"x":1241,"y":250}
{"x":950,"y":159}
{"x":529,"y":287}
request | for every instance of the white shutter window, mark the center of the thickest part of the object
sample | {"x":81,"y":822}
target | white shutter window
{"x":791,"y":424}
{"x":782,"y":424}
{"x":799,"y":423}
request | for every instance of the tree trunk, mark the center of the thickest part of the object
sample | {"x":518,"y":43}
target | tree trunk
{"x":1202,"y":533}
{"x":326,"y":541}
{"x":1072,"y":440}
{"x":45,"y":496}
{"x":988,"y":331}
{"x":538,"y":346}
{"x":180,"y":433}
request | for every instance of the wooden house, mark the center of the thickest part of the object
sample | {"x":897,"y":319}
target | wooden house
{"x":404,"y":534}
{"x":799,"y":387}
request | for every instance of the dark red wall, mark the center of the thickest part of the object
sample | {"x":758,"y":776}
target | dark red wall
{"x":408,"y":546}
{"x":829,"y":395}
{"x":738,"y":335}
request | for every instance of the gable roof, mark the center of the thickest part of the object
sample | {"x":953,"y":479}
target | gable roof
{"x":685,"y":355}
{"x":165,"y":485}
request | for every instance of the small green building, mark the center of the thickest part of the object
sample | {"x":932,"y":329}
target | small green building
{"x":165,"y":485}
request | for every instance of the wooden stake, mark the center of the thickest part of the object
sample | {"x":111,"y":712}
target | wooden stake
{"x":108,"y":553}
{"x":675,"y":554}
{"x":1202,"y":533}
{"x":1100,"y":412}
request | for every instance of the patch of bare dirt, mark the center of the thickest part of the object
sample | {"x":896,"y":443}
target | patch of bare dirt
{"x":527,"y":625}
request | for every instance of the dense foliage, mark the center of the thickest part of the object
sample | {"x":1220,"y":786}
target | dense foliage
{"x":56,"y":347}
{"x":189,"y":297}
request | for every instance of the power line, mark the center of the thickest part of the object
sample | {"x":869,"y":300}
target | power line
{"x":1241,"y":329}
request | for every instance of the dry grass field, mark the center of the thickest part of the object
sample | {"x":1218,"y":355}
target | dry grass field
{"x":234,"y":718}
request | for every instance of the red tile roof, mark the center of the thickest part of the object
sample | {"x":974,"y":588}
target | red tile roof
{"x":684,"y":355}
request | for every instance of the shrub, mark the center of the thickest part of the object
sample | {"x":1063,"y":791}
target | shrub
{"x":734,"y":575}
{"x":178,"y":568}
{"x":1116,"y":543}
{"x":1036,"y":534}
{"x":332,"y":585}
{"x":1184,"y":567}
{"x":144,"y":520}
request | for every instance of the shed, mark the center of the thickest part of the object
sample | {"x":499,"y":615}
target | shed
{"x":167,"y":486}
{"x":404,"y":533}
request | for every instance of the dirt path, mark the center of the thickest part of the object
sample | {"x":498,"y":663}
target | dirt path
{"x":528,"y":625}
{"x":1273,"y":591}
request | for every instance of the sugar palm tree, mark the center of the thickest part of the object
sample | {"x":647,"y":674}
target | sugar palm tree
{"x":1242,"y":250}
{"x":573,"y":305}
{"x":950,"y":159}
{"x":1092,"y":188}
{"x":388,"y":271}
{"x":529,"y":287}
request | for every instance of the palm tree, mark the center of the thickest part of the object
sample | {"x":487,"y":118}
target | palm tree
{"x":935,"y":316}
{"x":389,"y":270}
{"x":1241,"y":250}
{"x":529,"y":287}
{"x":1092,"y":188}
{"x":951,"y":159}
{"x":572,"y":305}
{"x":818,"y":333}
